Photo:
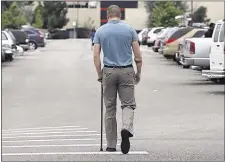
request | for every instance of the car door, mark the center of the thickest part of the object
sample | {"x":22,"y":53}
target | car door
{"x":217,"y":48}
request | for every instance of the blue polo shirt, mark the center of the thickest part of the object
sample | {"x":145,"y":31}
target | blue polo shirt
{"x":116,"y":39}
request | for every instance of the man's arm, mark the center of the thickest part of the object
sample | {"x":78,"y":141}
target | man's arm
{"x":137,"y":56}
{"x":97,"y":60}
{"x":137,"y":51}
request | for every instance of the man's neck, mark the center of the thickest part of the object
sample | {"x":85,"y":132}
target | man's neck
{"x":113,"y":18}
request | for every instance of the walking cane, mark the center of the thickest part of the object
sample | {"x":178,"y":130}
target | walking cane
{"x":101,"y":149}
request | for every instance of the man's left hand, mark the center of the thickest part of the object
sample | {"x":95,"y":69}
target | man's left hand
{"x":100,"y":77}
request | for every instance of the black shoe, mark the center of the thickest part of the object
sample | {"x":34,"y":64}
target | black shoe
{"x":110,"y":149}
{"x":125,"y":144}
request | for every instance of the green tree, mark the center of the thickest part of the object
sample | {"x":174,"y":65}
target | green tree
{"x":200,"y":15}
{"x":164,"y":13}
{"x":149,"y":5}
{"x":38,"y":16}
{"x":54,"y":14}
{"x":13,"y":17}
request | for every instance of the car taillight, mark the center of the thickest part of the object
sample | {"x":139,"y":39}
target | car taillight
{"x":192,"y":48}
{"x":170,"y":40}
{"x":224,"y":49}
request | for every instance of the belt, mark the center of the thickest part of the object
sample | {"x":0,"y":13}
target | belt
{"x":127,"y":66}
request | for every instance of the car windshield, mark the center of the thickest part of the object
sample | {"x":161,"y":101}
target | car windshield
{"x":199,"y":34}
{"x":12,"y":36}
{"x":4,"y":36}
{"x":20,"y":36}
{"x":170,"y":32}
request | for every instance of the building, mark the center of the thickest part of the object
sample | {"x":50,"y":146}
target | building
{"x":137,"y":17}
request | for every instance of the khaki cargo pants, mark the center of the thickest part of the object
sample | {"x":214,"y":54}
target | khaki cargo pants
{"x":119,"y":80}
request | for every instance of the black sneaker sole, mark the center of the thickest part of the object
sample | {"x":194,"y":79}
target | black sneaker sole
{"x":125,"y":144}
{"x":110,"y":149}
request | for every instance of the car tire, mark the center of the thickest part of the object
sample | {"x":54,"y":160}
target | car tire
{"x":33,"y":45}
{"x":174,"y":58}
{"x":222,"y":81}
{"x":149,"y":45}
{"x":185,"y":66}
{"x":10,"y":58}
{"x":218,"y":81}
{"x":178,"y":62}
{"x":3,"y":58}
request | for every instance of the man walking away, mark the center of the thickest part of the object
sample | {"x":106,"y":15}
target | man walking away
{"x":209,"y":33}
{"x":117,"y":40}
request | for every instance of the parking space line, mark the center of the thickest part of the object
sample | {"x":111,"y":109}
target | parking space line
{"x":6,"y":130}
{"x":76,"y":153}
{"x":76,"y":131}
{"x":72,"y":135}
{"x":45,"y":130}
{"x":51,"y":140}
{"x":75,"y":145}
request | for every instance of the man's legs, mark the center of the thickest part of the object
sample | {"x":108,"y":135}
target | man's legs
{"x":128,"y":104}
{"x":110,"y":96}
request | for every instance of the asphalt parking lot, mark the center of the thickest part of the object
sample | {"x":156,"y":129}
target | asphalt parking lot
{"x":51,"y":109}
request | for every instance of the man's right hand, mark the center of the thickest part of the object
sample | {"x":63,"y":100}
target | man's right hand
{"x":137,"y":78}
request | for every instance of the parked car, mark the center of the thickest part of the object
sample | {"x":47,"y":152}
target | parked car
{"x":7,"y":53}
{"x":180,"y":50}
{"x":172,"y":43}
{"x":152,"y":35}
{"x":21,"y":38}
{"x":36,"y":39}
{"x":195,"y":52}
{"x":9,"y":40}
{"x":143,"y":35}
{"x":217,"y":54}
{"x":167,"y":35}
{"x":160,"y":36}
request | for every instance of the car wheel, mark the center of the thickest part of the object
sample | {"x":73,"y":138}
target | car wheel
{"x":149,"y":45}
{"x":174,"y":58}
{"x":222,"y":81}
{"x":185,"y":67}
{"x":178,"y":62}
{"x":218,"y":81}
{"x":3,"y":58}
{"x":32,"y":45}
{"x":155,"y":49}
{"x":10,"y":57}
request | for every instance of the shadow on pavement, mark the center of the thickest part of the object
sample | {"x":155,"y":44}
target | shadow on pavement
{"x":219,"y":93}
{"x":6,"y":64}
{"x":203,"y":83}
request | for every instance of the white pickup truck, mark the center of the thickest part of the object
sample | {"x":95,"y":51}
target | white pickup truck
{"x":217,"y":54}
{"x":195,"y":52}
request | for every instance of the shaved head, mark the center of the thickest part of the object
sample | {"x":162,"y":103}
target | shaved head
{"x":113,"y":11}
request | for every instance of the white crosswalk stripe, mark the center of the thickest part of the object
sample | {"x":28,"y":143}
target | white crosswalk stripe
{"x":52,"y":141}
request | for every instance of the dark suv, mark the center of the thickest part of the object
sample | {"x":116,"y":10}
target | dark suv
{"x":21,"y":39}
{"x":36,"y":38}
